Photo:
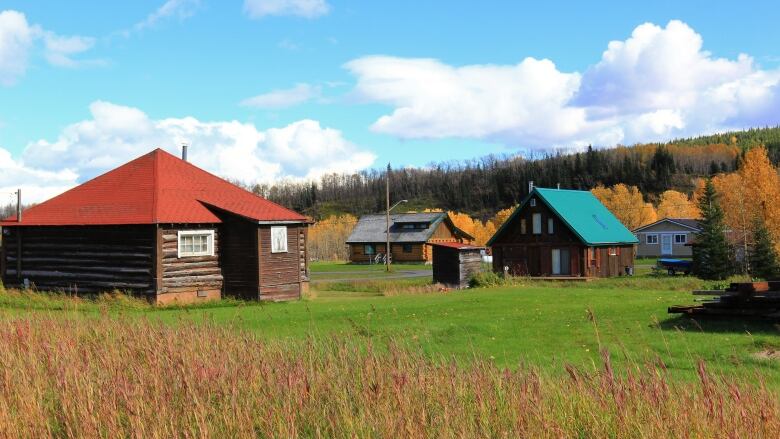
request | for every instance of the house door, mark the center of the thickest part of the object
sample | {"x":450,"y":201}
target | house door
{"x":561,"y":261}
{"x":666,"y":244}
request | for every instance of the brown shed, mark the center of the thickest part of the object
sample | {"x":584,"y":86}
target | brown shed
{"x":556,"y":232}
{"x":454,"y":263}
{"x":160,"y":227}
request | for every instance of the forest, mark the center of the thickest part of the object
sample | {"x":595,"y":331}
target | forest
{"x":483,"y":186}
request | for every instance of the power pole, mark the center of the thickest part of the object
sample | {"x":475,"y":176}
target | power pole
{"x":387,"y":217}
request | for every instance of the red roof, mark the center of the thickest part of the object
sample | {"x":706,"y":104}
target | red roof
{"x":457,"y":245}
{"x":154,"y":188}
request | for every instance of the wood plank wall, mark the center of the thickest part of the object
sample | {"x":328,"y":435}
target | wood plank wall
{"x":238,"y":245}
{"x":183,"y":278}
{"x":282,"y":274}
{"x":86,"y":259}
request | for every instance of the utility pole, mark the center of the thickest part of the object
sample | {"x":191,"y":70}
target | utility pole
{"x":19,"y":205}
{"x":387,"y":218}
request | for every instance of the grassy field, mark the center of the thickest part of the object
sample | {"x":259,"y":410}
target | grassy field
{"x":388,"y":357}
{"x":543,"y":324}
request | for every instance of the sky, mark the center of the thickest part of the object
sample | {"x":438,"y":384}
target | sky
{"x":266,"y":90}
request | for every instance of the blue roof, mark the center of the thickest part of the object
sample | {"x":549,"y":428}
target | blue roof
{"x":585,"y":215}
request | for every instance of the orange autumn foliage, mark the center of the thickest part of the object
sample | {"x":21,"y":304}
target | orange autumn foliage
{"x":627,"y":204}
{"x":750,"y":193}
{"x":673,"y":204}
{"x":327,"y":238}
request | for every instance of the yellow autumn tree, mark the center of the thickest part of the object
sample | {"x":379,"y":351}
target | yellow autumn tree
{"x":501,"y":216}
{"x":753,"y":192}
{"x":627,"y":204}
{"x":673,"y":204}
{"x":327,"y":238}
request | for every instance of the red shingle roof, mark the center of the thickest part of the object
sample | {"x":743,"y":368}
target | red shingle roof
{"x":155,"y":188}
{"x":456,"y":245}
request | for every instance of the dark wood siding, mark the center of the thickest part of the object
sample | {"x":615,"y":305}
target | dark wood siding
{"x":281,"y":274}
{"x":86,"y":259}
{"x":529,"y":254}
{"x":187,"y":278}
{"x":239,"y":256}
{"x":454,"y":267}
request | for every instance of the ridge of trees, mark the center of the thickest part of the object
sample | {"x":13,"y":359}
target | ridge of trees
{"x":481,"y":187}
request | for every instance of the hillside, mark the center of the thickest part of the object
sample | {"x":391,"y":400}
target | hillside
{"x":483,"y":186}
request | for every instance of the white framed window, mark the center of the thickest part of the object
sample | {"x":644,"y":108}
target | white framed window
{"x":651,"y":238}
{"x":195,"y":243}
{"x":680,"y":238}
{"x":533,"y":202}
{"x":550,"y":226}
{"x":279,"y":239}
{"x":537,"y":223}
{"x":522,"y":226}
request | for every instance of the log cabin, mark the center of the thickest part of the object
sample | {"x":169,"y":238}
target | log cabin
{"x":161,"y":228}
{"x":409,"y":234}
{"x":563,"y":233}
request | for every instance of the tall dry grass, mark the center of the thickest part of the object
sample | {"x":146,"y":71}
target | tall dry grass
{"x":104,"y":377}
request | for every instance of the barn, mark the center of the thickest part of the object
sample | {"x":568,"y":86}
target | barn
{"x":409,"y":234}
{"x":556,"y":232}
{"x":162,"y":228}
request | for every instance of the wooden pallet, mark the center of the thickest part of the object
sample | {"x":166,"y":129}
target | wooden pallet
{"x":740,"y":299}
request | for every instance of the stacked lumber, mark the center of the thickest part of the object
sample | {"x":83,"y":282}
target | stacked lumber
{"x":744,"y":299}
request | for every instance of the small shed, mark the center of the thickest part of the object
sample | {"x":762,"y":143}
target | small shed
{"x":454,"y":263}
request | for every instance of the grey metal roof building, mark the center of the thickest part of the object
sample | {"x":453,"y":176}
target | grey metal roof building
{"x":404,"y":228}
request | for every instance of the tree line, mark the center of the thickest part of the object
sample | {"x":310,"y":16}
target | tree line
{"x":483,"y":186}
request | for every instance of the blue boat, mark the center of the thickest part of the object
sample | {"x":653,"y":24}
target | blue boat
{"x":674,"y":266}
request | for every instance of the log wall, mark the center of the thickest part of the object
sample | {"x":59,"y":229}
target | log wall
{"x":190,"y":278}
{"x":80,"y":259}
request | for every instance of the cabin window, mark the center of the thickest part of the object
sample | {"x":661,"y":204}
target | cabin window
{"x":407,"y":226}
{"x":651,"y":238}
{"x":537,"y":220}
{"x":196,"y":243}
{"x":369,"y":249}
{"x":533,"y":202}
{"x":680,"y":238}
{"x":522,"y":226}
{"x":613,"y":251}
{"x":550,"y":226}
{"x":279,"y":239}
{"x":407,"y":248}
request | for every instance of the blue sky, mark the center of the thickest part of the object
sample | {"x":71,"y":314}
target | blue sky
{"x":271,"y":89}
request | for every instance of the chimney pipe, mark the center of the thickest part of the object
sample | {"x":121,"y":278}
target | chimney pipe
{"x":530,"y":186}
{"x":19,"y":205}
{"x":559,"y":186}
{"x":184,"y":147}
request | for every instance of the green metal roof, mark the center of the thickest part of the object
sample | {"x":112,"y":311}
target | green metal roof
{"x":590,"y":220}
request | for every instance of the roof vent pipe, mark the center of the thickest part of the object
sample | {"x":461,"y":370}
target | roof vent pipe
{"x":559,"y":186}
{"x":530,"y":186}
{"x":184,"y":147}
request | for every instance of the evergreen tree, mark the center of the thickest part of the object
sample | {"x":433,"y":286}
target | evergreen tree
{"x":763,"y":257}
{"x":712,"y":255}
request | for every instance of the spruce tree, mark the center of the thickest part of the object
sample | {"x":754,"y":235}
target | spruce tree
{"x":712,"y":254}
{"x":763,"y":257}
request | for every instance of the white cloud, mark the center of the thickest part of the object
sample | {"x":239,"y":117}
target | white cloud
{"x":36,"y":184}
{"x":657,"y":84}
{"x":18,"y":38}
{"x":284,"y":98}
{"x":115,"y":134}
{"x":300,"y":8}
{"x":181,"y":9}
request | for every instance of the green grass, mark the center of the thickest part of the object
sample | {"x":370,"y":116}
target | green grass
{"x":545,"y":324}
